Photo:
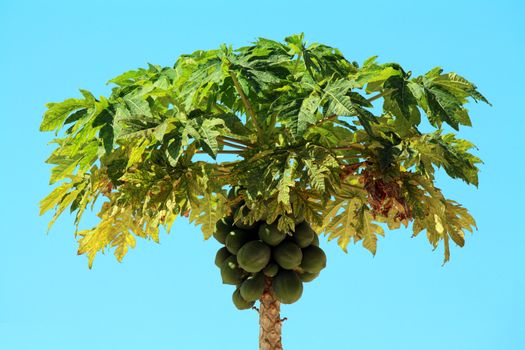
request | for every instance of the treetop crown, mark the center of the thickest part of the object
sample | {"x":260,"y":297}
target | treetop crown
{"x":304,"y":137}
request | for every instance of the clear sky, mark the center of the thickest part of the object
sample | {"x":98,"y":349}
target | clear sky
{"x":170,"y":296}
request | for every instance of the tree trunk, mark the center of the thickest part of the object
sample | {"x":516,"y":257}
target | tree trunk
{"x":269,"y":320}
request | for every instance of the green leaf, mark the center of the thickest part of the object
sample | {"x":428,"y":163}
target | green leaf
{"x":459,"y":86}
{"x":427,"y":150}
{"x":340,"y":103}
{"x":287,"y":181}
{"x":138,"y":106}
{"x":57,"y":113}
{"x":374,"y":75}
{"x":400,"y":102}
{"x":209,"y":133}
{"x":73,"y":117}
{"x":129,"y":77}
{"x":442,"y":97}
{"x":174,"y":150}
{"x":127,"y":125}
{"x":107,"y":136}
{"x":295,"y":43}
{"x":307,"y":113}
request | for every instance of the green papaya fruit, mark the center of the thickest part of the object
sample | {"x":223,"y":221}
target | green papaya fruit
{"x":288,"y":255}
{"x":253,"y":287}
{"x":271,"y":270}
{"x":314,"y":259}
{"x":230,"y":271}
{"x":287,"y":286}
{"x":236,"y":239}
{"x":270,"y":234}
{"x":254,"y":256}
{"x":221,"y":256}
{"x":303,"y":235}
{"x":222,"y":228}
{"x":239,"y":302}
{"x":308,"y":277}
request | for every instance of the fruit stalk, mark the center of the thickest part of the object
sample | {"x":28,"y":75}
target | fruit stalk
{"x":269,"y":320}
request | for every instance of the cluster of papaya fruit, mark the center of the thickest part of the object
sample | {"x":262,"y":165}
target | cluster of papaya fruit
{"x":257,"y":253}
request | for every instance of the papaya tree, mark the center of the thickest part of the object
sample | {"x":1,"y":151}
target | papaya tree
{"x":265,"y":147}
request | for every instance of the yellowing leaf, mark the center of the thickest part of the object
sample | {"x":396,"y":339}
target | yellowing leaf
{"x":112,"y":231}
{"x":287,"y":181}
{"x":55,"y":197}
{"x":439,"y":226}
{"x":122,"y":242}
{"x":207,"y":211}
{"x":368,"y":230}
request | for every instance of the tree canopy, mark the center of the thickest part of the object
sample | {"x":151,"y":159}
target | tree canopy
{"x":313,"y":134}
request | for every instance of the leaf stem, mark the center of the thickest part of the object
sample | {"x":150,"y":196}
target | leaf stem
{"x":379,"y":95}
{"x":227,"y":138}
{"x":228,"y":164}
{"x":226,"y":143}
{"x":355,"y":146}
{"x":224,"y":151}
{"x":349,"y":147}
{"x":249,"y":109}
{"x":299,"y":56}
{"x":326,"y":119}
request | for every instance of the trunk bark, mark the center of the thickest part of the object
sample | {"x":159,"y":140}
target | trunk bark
{"x":269,"y":320}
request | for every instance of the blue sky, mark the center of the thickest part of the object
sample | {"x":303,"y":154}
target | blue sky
{"x":169,"y":296}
